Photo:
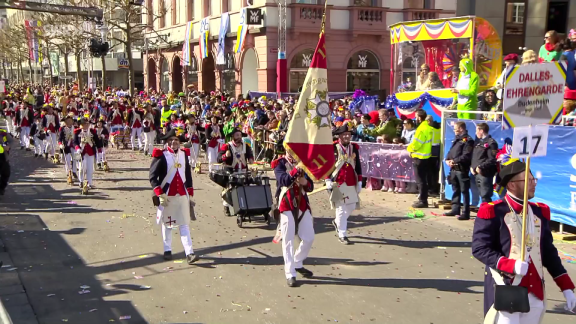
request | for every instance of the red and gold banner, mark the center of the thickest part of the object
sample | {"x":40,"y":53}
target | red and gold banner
{"x":309,"y":135}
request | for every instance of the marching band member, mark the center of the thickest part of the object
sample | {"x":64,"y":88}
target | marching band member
{"x":24,"y":119}
{"x":134,"y":120}
{"x":497,"y":241}
{"x":38,"y":136}
{"x":87,"y":144}
{"x":346,"y":181}
{"x":10,"y":113}
{"x":214,"y":135}
{"x":149,"y":129}
{"x":235,"y":155}
{"x":115,"y":118}
{"x":50,"y":123}
{"x":193,"y":138}
{"x":171,"y":178}
{"x":104,"y":135}
{"x":295,"y":216}
{"x":66,"y":142}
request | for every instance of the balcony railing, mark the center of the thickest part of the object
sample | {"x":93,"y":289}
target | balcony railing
{"x":308,"y":17}
{"x":421,"y":14}
{"x":368,"y":20}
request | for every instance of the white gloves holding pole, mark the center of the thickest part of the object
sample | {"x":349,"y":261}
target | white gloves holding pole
{"x":521,"y":268}
{"x":570,"y":300}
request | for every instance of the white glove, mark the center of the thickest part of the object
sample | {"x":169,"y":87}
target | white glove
{"x":570,"y":300}
{"x":77,"y":156}
{"x":61,"y":146}
{"x":359,"y":188}
{"x":521,"y":268}
{"x":163,"y":200}
{"x":329,"y":184}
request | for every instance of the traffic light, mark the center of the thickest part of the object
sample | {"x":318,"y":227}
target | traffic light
{"x":97,"y":48}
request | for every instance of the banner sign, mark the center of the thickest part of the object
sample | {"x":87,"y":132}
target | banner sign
{"x":224,"y":23}
{"x":254,"y":16}
{"x":204,"y":31}
{"x":386,"y":161}
{"x":186,"y":45}
{"x":32,"y":32}
{"x":534,"y":94}
{"x":123,"y":63}
{"x":556,"y":173}
{"x":241,"y":32}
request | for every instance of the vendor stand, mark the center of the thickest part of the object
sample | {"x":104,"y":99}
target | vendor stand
{"x":439,"y":43}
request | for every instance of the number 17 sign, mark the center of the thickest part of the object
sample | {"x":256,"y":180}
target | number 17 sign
{"x":530,"y":141}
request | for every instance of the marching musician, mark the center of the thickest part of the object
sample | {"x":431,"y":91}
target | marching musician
{"x":214,"y":135}
{"x":134,"y":120}
{"x":24,"y":120}
{"x":66,"y":142}
{"x":87,"y":144}
{"x":9,"y":113}
{"x":193,"y":138}
{"x":104,"y":136}
{"x":295,"y":216}
{"x":149,"y":129}
{"x":235,"y":155}
{"x":345,"y":182}
{"x":50,"y":123}
{"x":497,"y":242}
{"x":115,"y":118}
{"x":171,"y":179}
{"x":38,"y":137}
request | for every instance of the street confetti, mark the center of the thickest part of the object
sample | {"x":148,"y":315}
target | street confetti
{"x":441,"y":248}
{"x":64,"y":320}
{"x":92,"y":310}
{"x":143,"y":256}
{"x":178,"y":261}
{"x":127,"y":317}
{"x":145,"y":287}
{"x":82,"y":292}
{"x":11,"y":269}
{"x":72,"y":203}
{"x":138,"y":277}
{"x":20,"y":231}
{"x":50,"y":295}
{"x":84,"y":287}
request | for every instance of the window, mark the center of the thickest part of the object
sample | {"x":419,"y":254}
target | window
{"x":515,"y":16}
{"x":161,"y":13}
{"x":228,"y":78}
{"x":558,"y":16}
{"x":363,"y":72}
{"x":190,"y":10}
{"x":299,"y":67}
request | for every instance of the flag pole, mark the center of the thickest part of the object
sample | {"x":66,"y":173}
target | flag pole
{"x":324,"y":17}
{"x":525,"y":207}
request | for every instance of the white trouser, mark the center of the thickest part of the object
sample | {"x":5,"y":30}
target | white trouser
{"x":194,"y":152}
{"x":101,"y":156}
{"x":532,"y":317}
{"x":10,"y":125}
{"x":136,"y":132}
{"x":184,"y":237}
{"x":88,"y":168}
{"x":51,"y":143}
{"x":38,"y":146}
{"x":343,"y":211}
{"x":25,"y":136}
{"x":149,"y":141}
{"x":212,"y":153}
{"x":69,"y":163}
{"x":292,"y":260}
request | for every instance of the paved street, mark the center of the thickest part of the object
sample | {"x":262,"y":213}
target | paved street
{"x":400,"y":270}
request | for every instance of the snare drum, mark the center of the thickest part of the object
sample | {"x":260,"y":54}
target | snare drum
{"x":217,"y":167}
{"x":220,"y":177}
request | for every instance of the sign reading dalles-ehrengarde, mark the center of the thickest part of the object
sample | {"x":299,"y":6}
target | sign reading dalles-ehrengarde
{"x":534,"y":94}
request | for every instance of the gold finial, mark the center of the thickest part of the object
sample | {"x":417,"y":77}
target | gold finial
{"x":324,"y":16}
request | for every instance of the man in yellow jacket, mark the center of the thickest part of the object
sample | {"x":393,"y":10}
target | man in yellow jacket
{"x":421,"y":150}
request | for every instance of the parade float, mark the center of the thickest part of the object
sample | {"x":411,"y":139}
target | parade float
{"x":440,"y":44}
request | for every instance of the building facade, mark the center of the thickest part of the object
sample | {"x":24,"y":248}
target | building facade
{"x":523,"y":23}
{"x":357,"y":43}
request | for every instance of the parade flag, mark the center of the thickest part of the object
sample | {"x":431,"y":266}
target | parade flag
{"x":32,"y":32}
{"x":204,"y":30}
{"x":309,"y":135}
{"x":224,"y":23}
{"x":186,"y":45}
{"x":242,"y":32}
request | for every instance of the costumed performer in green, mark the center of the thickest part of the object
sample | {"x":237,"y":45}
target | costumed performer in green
{"x":466,"y":89}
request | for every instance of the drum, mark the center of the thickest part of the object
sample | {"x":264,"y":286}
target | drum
{"x":217,"y":166}
{"x":220,"y":177}
{"x":251,"y":200}
{"x":240,"y":179}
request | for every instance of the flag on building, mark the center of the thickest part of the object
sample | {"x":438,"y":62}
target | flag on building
{"x":242,"y":32}
{"x":309,"y":135}
{"x":204,"y":31}
{"x":32,"y":32}
{"x":186,"y":45}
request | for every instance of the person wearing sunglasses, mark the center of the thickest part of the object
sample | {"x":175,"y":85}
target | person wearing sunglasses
{"x":552,"y":48}
{"x":497,"y":242}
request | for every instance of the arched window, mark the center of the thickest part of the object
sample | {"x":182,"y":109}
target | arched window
{"x":229,"y":74}
{"x":363,"y":72}
{"x":165,"y":76}
{"x":298,"y":68}
{"x":192,"y":74}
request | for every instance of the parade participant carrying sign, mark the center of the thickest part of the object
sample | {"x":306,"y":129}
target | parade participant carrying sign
{"x":171,"y":179}
{"x":534,"y":94}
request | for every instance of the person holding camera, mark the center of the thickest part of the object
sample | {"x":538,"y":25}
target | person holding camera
{"x":459,"y":159}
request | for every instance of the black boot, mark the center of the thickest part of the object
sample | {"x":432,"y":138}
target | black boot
{"x":191,"y":258}
{"x":291,"y":282}
{"x":226,"y":211}
{"x":35,"y":155}
{"x":46,"y":156}
{"x":304,"y":272}
{"x":168,"y":255}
